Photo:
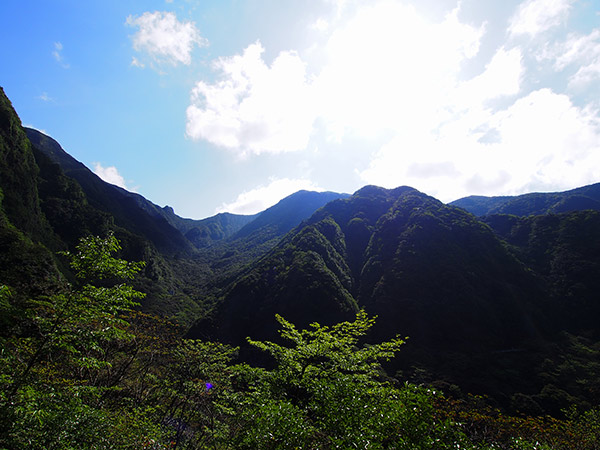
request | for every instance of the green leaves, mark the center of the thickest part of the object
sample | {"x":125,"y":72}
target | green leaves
{"x":50,"y":378}
{"x":94,"y":260}
{"x":329,"y":386}
{"x":322,"y":349}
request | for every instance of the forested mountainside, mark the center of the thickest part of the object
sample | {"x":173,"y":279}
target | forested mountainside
{"x":52,"y":200}
{"x":492,"y":307}
{"x":583,"y":198}
{"x":502,"y":303}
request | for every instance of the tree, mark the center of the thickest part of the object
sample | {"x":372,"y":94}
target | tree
{"x":49,"y":385}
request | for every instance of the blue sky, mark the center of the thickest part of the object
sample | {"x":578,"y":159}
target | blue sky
{"x":212,"y":106}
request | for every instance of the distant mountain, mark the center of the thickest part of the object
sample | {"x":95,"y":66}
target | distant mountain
{"x":130,"y":211}
{"x":587,"y":197}
{"x":480,"y":313}
{"x":269,"y":226}
{"x":428,"y":270}
{"x":229,"y":257}
{"x":201,"y":233}
{"x":287,"y":213}
{"x":215,"y":229}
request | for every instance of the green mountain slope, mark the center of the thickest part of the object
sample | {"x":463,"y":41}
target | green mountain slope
{"x":120,"y":204}
{"x":26,"y":263}
{"x":19,"y":172}
{"x":389,"y":251}
{"x":260,"y":235}
{"x":564,"y":250}
{"x":480,"y":313}
{"x":213,"y":230}
{"x":586,"y":197}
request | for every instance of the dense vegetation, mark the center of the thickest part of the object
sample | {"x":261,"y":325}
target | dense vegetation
{"x":586,"y":197}
{"x":80,"y":369}
{"x":506,"y":308}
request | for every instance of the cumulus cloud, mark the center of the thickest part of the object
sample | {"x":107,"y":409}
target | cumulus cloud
{"x":536,"y":16}
{"x":388,"y":74}
{"x":263,"y":197}
{"x":388,"y":66}
{"x":164,"y":38}
{"x":542,"y":141}
{"x":501,"y":77}
{"x":111,"y":175}
{"x":254,"y":107}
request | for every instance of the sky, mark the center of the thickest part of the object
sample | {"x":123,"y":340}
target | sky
{"x":230,"y":105}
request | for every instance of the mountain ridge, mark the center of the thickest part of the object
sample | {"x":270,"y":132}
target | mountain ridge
{"x":534,"y":203}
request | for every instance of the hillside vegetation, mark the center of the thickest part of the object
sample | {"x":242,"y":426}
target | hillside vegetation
{"x":84,"y":370}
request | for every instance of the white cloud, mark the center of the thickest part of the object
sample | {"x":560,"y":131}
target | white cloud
{"x":501,"y":77}
{"x":137,"y":63}
{"x":585,"y":75}
{"x":576,"y":49}
{"x":580,"y":51}
{"x":387,"y":72}
{"x":57,"y":53}
{"x":540,"y":142}
{"x":386,"y":68}
{"x":45,"y":97}
{"x":110,"y":175}
{"x":254,"y":107}
{"x":263,"y":197}
{"x":164,"y":38}
{"x":320,"y":25}
{"x":389,"y":67}
{"x":536,"y":16}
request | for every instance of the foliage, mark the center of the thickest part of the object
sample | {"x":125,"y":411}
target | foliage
{"x":326,"y":391}
{"x":84,"y":370}
{"x":489,"y":427}
{"x":51,"y":367}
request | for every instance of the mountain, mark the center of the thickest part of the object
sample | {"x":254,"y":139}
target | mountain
{"x":563,"y":250}
{"x":398,"y":253}
{"x":586,"y":197}
{"x":129,"y":210}
{"x":287,"y":213}
{"x":208,"y":232}
{"x":171,"y":233}
{"x":192,"y":257}
{"x":50,"y":200}
{"x":26,"y":263}
{"x":482,"y":309}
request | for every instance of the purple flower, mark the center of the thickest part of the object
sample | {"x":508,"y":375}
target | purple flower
{"x":208,"y":386}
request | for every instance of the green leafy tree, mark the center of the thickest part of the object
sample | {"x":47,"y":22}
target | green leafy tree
{"x":50,"y":395}
{"x":327,"y":391}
